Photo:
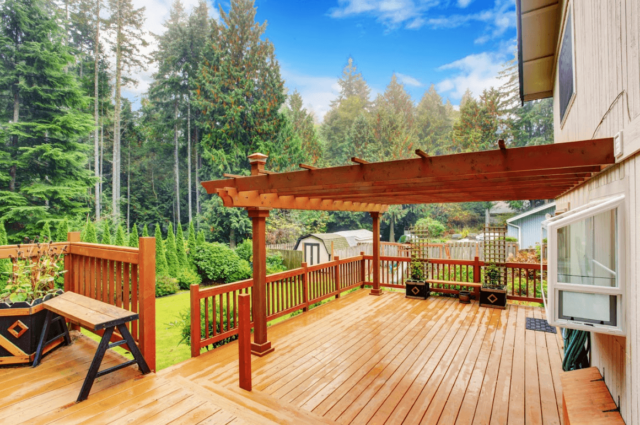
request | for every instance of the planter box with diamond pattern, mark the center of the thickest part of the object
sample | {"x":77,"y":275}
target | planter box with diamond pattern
{"x":417,"y":290}
{"x":493,"y":298}
{"x":20,"y":328}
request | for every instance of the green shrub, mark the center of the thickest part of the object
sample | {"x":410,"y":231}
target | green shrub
{"x":170,"y":249}
{"x":245,"y":250}
{"x":191,"y":240}
{"x":436,"y":229}
{"x":218,"y":263}
{"x":200,"y":239}
{"x":181,"y":250}
{"x":275,"y":263}
{"x":402,"y":239}
{"x":89,"y":233}
{"x":63,"y":230}
{"x":120,"y":236}
{"x":184,"y":322}
{"x":45,"y":235}
{"x":188,"y":277}
{"x":106,"y":233}
{"x":511,"y":239}
{"x":133,"y":237}
{"x":161,"y":257}
{"x":166,"y":285}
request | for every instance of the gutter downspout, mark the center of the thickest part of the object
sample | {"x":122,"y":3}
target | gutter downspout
{"x":519,"y":233}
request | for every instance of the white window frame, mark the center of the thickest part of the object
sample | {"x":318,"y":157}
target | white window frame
{"x":554,"y":287}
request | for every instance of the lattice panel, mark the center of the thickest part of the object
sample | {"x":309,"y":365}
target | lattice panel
{"x":420,"y":245}
{"x":495,"y":250}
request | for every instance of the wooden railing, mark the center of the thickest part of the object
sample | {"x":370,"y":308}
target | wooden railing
{"x":214,"y":310}
{"x":522,"y":278}
{"x":120,"y":276}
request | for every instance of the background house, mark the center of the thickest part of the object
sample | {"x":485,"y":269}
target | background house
{"x":586,"y":55}
{"x":526,"y":226}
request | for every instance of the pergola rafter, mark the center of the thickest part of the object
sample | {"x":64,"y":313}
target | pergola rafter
{"x":536,"y":172}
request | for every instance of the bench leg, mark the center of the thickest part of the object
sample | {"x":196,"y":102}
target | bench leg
{"x":133,"y":348}
{"x":43,"y":339}
{"x":95,"y":364}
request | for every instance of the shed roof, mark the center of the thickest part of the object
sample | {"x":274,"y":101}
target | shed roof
{"x":354,"y":237}
{"x":339,"y":242}
{"x":533,"y":211}
{"x":533,"y":172}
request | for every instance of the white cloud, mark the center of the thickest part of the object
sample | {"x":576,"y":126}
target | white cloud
{"x":498,"y":20}
{"x":413,"y":14}
{"x":474,"y":72}
{"x":408,"y":80}
{"x":316,"y":91}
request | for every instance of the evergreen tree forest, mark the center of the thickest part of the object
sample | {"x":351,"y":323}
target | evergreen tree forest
{"x":77,"y":154}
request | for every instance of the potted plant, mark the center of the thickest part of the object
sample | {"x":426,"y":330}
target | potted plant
{"x":416,"y":287}
{"x":493,"y":292}
{"x":30,"y":282}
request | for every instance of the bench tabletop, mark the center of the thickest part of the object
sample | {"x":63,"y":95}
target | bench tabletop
{"x":90,"y":313}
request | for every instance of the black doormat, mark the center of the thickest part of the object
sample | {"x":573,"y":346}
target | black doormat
{"x":539,"y":325}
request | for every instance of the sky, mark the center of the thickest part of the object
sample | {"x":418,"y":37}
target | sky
{"x":454,"y":44}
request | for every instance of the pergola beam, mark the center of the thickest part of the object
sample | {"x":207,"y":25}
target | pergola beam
{"x":541,"y":158}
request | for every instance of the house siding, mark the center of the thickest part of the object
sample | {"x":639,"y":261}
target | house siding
{"x":607,"y":48}
{"x":530,"y":228}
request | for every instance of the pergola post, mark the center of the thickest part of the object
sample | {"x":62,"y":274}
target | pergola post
{"x":261,"y":345}
{"x":376,"y":254}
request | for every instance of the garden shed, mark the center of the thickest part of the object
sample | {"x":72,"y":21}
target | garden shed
{"x":317,"y":247}
{"x":526,"y":226}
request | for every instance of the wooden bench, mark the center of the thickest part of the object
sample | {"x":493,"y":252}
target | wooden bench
{"x":93,"y":315}
{"x":586,"y":399}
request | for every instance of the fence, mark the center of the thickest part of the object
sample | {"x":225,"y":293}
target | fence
{"x":214,"y":311}
{"x":290,"y":259}
{"x":522,"y":278}
{"x":120,"y":276}
{"x":282,"y":246}
{"x":449,"y":250}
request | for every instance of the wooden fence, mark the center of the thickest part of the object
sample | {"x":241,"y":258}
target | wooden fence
{"x":291,"y":259}
{"x":120,"y":276}
{"x":522,"y":278}
{"x":448,"y":251}
{"x":214,"y":310}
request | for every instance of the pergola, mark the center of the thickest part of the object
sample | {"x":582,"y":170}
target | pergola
{"x":535,"y":172}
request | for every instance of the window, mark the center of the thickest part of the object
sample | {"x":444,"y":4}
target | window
{"x":566,"y":70}
{"x":585,"y":268}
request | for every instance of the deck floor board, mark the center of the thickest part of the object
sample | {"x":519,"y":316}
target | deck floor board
{"x":355,"y":360}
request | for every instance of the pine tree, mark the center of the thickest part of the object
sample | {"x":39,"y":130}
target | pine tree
{"x":89,"y":235}
{"x":180,"y":250}
{"x":172,"y":256}
{"x":239,"y":89}
{"x":133,"y":237}
{"x":125,"y":26}
{"x":106,"y":233}
{"x":170,"y":88}
{"x":120,"y":236}
{"x":433,"y":123}
{"x":63,"y":231}
{"x":191,"y":239}
{"x":352,"y":84}
{"x":477,"y":127}
{"x":304,"y":128}
{"x":145,"y":232}
{"x":44,"y":173}
{"x":200,"y":239}
{"x":5,"y":264}
{"x":161,"y":257}
{"x":45,"y":234}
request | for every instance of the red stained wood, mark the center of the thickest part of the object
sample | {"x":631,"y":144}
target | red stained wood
{"x":244,"y":343}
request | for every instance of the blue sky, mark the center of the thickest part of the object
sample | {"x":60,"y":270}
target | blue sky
{"x":454,"y":44}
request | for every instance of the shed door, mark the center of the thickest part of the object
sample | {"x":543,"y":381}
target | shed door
{"x":312,"y":253}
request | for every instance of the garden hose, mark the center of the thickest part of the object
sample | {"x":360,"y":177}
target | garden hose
{"x":576,"y":350}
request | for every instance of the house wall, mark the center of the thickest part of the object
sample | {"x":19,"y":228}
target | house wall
{"x":530,"y":229}
{"x":324,"y":255}
{"x":607,"y":63}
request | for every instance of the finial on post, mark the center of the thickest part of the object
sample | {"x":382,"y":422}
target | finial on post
{"x":257,"y":161}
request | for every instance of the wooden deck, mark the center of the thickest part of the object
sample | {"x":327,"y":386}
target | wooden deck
{"x":359,"y":359}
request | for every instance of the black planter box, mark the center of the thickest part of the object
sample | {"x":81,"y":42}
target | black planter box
{"x":493,"y":298}
{"x":417,"y":290}
{"x":21,"y":325}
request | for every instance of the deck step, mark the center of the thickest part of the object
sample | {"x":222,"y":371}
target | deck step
{"x":251,"y":405}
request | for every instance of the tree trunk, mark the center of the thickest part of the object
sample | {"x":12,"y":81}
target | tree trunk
{"x":16,"y":118}
{"x":392,"y":235}
{"x":176,"y":167}
{"x":101,"y":155}
{"x":129,"y":188}
{"x":116,"y":119}
{"x":189,"y":154}
{"x":96,"y":152}
{"x":197,"y":179}
{"x":232,"y":238}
